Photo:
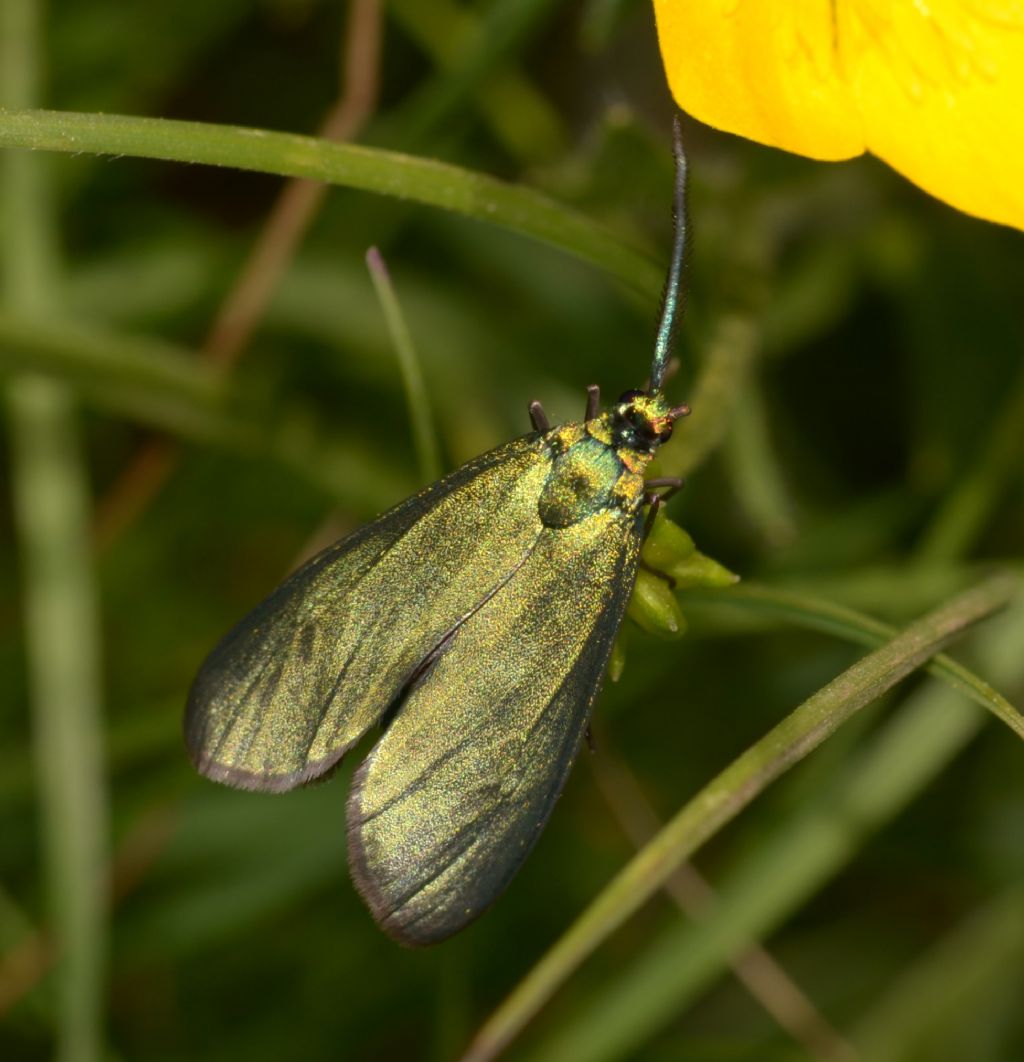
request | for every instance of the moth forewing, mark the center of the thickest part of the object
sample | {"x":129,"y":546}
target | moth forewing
{"x":301,"y":678}
{"x":452,"y":798}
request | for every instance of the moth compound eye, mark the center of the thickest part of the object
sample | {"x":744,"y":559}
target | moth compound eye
{"x":630,"y":396}
{"x":666,"y":432}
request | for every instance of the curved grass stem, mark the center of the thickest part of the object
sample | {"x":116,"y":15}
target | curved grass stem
{"x":817,"y":614}
{"x":728,"y":794}
{"x":425,"y":181}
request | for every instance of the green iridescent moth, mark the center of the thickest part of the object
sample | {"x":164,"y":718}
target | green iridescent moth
{"x":474,"y":622}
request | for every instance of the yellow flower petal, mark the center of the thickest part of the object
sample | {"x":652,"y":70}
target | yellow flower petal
{"x":934,"y":87}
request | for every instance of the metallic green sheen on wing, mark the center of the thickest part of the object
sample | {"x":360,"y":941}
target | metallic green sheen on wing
{"x":301,"y":678}
{"x":453,"y":796}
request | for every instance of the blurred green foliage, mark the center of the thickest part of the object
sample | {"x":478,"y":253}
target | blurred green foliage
{"x":858,"y":435}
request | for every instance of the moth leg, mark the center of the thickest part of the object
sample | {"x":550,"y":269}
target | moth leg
{"x":539,"y":417}
{"x":670,"y":483}
{"x":654,"y":501}
{"x":654,"y":504}
{"x":663,"y":576}
{"x":593,"y":402}
{"x":588,"y":736}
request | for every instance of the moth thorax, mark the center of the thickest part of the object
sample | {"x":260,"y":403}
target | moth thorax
{"x":581,"y":482}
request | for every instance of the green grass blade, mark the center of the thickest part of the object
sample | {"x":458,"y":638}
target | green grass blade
{"x":144,"y":379}
{"x":425,"y":181}
{"x":51,"y":511}
{"x":727,"y":794}
{"x":163,"y":386}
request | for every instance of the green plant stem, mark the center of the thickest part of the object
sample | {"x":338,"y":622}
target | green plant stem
{"x":726,"y":795}
{"x":784,"y":864}
{"x":892,"y":588}
{"x":777,"y":872}
{"x":817,"y":614}
{"x":754,"y":967}
{"x":51,"y":508}
{"x":428,"y":456}
{"x":421,"y":180}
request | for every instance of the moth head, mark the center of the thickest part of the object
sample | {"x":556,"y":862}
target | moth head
{"x":643,"y":421}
